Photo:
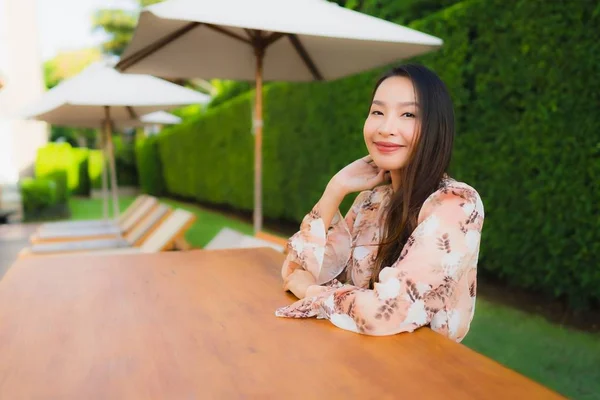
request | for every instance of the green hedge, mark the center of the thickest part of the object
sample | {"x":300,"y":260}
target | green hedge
{"x":45,"y":198}
{"x":84,"y":166}
{"x":95,"y":168}
{"x":227,"y":90}
{"x":149,"y":166}
{"x":127,"y":174}
{"x":198,"y":173}
{"x":400,"y":12}
{"x":63,"y":157}
{"x":55,"y":157}
{"x":524,"y":80}
{"x":60,"y":179}
{"x":38,"y":195}
{"x":530,"y":142}
{"x":125,"y":164}
{"x":81,"y":156}
{"x":126,"y":168}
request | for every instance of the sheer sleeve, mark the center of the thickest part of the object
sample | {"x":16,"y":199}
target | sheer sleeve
{"x":323,"y":253}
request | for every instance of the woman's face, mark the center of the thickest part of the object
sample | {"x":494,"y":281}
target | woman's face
{"x":390,"y":130}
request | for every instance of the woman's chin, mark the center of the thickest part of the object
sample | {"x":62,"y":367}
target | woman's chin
{"x":387,"y":165}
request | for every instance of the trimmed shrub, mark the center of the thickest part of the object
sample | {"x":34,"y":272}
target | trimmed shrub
{"x":125,"y":161}
{"x":60,"y":179}
{"x":227,"y":90}
{"x":57,"y":175}
{"x":58,"y":157}
{"x":83,"y":187}
{"x":62,"y":157}
{"x":95,"y":160}
{"x":38,"y":195}
{"x":149,"y":166}
{"x":45,"y":198}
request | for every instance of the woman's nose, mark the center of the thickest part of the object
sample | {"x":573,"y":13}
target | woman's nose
{"x":386,"y":127}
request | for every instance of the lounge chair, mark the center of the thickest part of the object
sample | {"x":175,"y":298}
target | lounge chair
{"x":135,"y":238}
{"x":164,"y":237}
{"x":98,"y":232}
{"x":92,"y":223}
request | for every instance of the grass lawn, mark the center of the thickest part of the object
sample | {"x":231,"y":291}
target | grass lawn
{"x":565,"y":360}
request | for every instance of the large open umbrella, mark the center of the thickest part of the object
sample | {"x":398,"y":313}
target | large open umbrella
{"x":100,"y":96}
{"x":292,"y":40}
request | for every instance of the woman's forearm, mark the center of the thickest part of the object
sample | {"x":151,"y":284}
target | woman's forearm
{"x":329,"y":202}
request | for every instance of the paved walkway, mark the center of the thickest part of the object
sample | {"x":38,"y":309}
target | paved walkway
{"x":13,"y":238}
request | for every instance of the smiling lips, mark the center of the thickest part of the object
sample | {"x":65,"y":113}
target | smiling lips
{"x":387,"y":147}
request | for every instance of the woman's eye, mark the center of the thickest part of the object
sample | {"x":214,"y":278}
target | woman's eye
{"x":376,"y":112}
{"x":408,"y":115}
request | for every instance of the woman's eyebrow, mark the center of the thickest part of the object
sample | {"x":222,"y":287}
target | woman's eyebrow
{"x":400,"y":104}
{"x":407,"y":103}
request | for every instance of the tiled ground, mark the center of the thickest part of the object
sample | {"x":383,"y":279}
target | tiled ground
{"x":13,"y":238}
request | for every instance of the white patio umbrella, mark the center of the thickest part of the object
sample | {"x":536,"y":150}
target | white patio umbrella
{"x":100,"y":96}
{"x":292,"y":40}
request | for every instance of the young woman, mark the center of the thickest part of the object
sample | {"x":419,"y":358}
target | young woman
{"x":405,"y":255}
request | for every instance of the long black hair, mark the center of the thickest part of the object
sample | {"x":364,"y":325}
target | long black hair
{"x":427,"y":164}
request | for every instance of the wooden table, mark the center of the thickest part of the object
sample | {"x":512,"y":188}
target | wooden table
{"x":201,"y":325}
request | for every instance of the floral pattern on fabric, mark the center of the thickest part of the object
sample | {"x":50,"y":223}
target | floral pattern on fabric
{"x":433,"y":282}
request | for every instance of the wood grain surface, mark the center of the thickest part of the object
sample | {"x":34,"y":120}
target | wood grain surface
{"x":201,"y":325}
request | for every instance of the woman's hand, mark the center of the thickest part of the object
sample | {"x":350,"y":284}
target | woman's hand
{"x":298,"y":281}
{"x":360,"y":175}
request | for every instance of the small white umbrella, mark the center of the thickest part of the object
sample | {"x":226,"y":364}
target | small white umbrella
{"x":154,"y":121}
{"x":100,"y":96}
{"x":293,"y":40}
{"x":160,"y":118}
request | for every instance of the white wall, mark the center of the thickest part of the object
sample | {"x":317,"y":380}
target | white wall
{"x":21,"y":67}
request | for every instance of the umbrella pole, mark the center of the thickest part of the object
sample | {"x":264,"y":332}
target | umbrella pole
{"x":104,"y":174}
{"x":258,"y":129}
{"x":111,"y":159}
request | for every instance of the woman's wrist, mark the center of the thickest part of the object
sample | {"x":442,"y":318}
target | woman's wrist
{"x":329,"y":203}
{"x":335,"y":191}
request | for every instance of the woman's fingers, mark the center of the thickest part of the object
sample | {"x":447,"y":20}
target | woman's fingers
{"x":382,"y":176}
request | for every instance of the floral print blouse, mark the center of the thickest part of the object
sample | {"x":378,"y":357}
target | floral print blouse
{"x":433,"y":282}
